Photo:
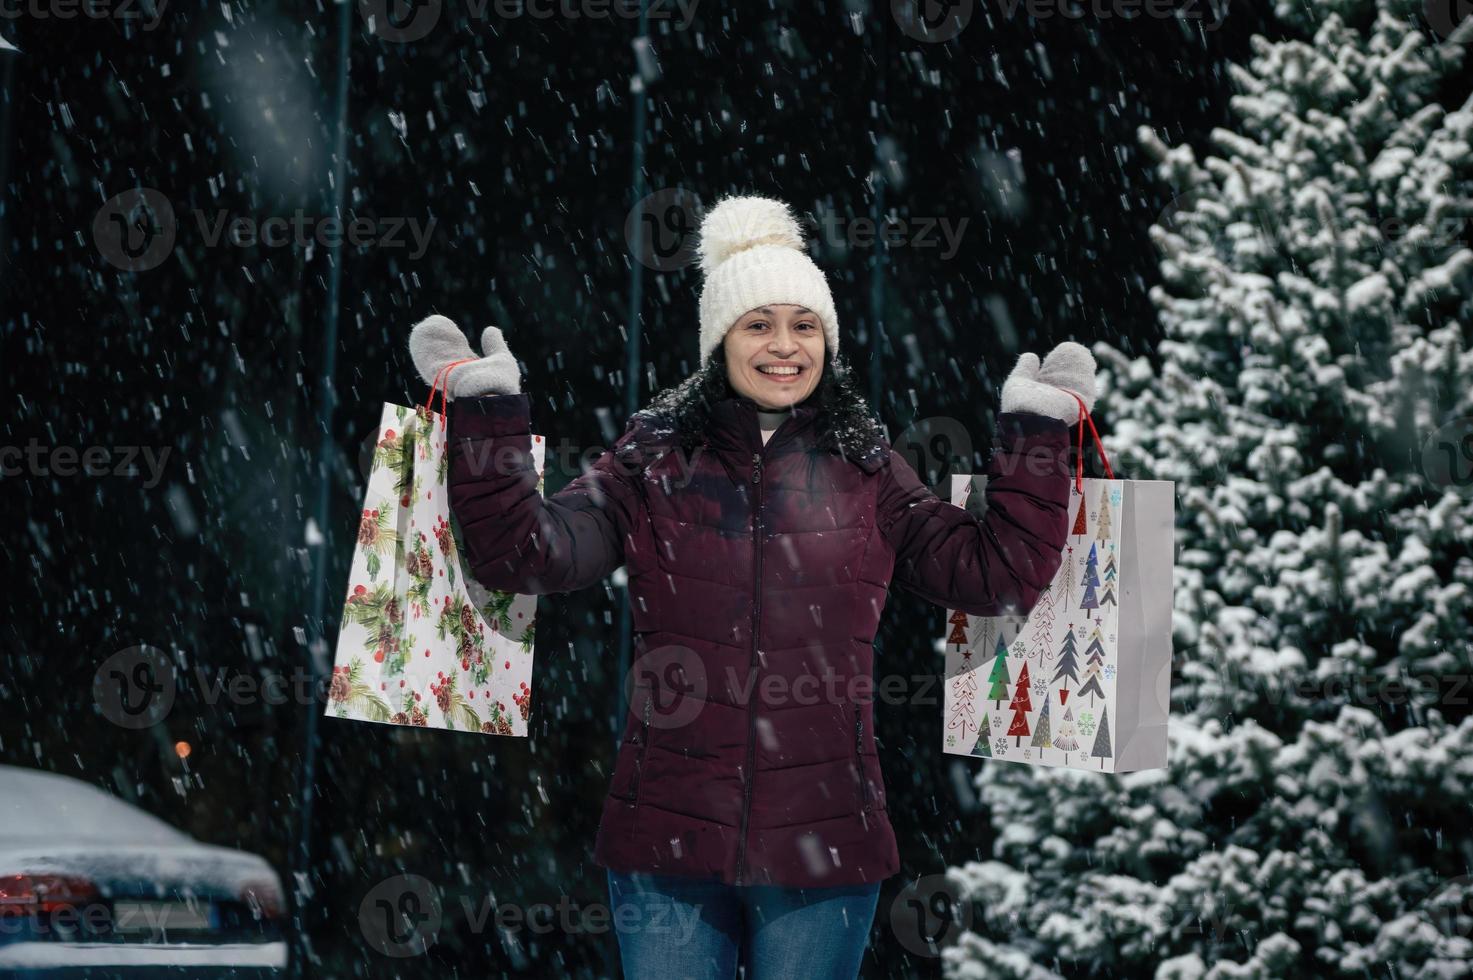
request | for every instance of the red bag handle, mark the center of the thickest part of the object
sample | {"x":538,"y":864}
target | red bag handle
{"x":442,"y":382}
{"x":1079,"y":456}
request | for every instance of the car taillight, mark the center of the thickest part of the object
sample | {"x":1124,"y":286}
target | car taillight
{"x":264,"y":898}
{"x":41,"y":893}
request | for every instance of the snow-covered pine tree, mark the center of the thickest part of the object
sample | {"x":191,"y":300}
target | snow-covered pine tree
{"x":1317,"y":276}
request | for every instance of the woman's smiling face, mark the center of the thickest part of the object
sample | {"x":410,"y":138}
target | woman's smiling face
{"x":774,"y":355}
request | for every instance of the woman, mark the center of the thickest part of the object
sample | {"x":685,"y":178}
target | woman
{"x":762,"y":517}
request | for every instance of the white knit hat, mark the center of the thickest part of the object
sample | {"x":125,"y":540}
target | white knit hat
{"x":751,"y":251}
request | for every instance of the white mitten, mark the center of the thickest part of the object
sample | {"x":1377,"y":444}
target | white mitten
{"x":436,"y":341}
{"x":1045,"y":389}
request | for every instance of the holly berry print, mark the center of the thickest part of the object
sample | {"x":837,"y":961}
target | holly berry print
{"x":421,"y":643}
{"x":1039,"y":690}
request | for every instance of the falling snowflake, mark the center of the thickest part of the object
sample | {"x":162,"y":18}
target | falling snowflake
{"x":1000,"y":747}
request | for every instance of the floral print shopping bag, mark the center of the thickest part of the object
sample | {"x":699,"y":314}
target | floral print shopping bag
{"x":421,"y":642}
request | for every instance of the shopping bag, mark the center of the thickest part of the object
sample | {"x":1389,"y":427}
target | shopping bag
{"x":421,"y":642}
{"x":1083,"y":681}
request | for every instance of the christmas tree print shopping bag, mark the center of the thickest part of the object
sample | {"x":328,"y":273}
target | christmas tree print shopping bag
{"x":421,"y":642}
{"x":1084,"y":681}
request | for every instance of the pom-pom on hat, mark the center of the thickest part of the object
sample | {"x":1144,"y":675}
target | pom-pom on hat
{"x":752,"y":255}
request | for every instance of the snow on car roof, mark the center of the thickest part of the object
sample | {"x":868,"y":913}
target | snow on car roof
{"x":37,"y":804}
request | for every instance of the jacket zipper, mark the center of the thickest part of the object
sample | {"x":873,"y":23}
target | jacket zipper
{"x":644,"y":747}
{"x":859,"y":758}
{"x":756,"y":626}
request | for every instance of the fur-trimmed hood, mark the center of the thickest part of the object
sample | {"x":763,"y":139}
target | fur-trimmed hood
{"x":732,"y":422}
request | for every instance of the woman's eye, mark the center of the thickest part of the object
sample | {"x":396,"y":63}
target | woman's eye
{"x":807,"y":326}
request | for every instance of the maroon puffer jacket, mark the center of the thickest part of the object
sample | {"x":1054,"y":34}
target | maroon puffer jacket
{"x":756,"y":575}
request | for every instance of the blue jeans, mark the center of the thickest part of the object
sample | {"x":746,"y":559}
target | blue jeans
{"x":678,"y":927}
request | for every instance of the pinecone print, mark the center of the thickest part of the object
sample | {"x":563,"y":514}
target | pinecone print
{"x":467,"y":618}
{"x":340,"y":685}
{"x":399,"y":718}
{"x":487,"y":728}
{"x":417,"y":718}
{"x":418,"y":563}
{"x":393,"y":611}
{"x":442,"y":698}
{"x":503,"y":727}
{"x":368,"y":528}
{"x":467,"y":651}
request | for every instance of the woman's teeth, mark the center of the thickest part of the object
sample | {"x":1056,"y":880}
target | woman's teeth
{"x":775,"y":369}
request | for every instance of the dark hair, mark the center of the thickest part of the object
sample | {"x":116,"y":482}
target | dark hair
{"x":847,"y":426}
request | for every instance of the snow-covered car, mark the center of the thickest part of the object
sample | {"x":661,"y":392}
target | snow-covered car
{"x":91,"y":886}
